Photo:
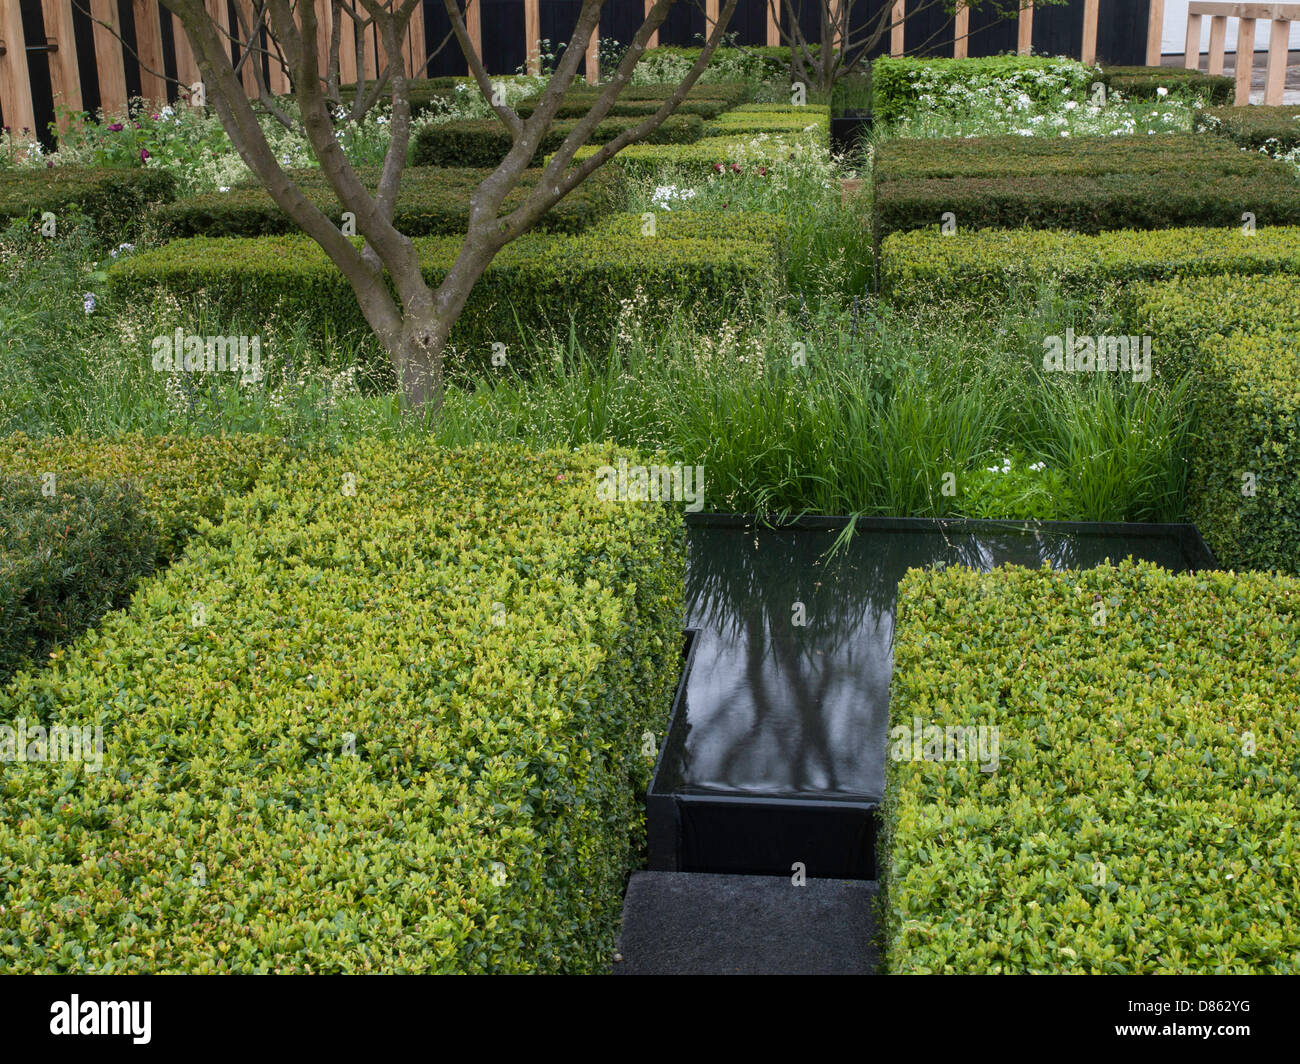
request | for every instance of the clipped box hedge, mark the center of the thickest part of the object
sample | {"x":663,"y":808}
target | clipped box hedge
{"x":432,"y":201}
{"x":1256,"y":127}
{"x":409,"y":737}
{"x":184,"y":482}
{"x":1126,"y":828}
{"x":116,"y":199}
{"x":766,"y":149}
{"x":66,"y":559}
{"x":536,"y":284}
{"x":907,"y":159}
{"x":1145,"y":83}
{"x":772,"y":118}
{"x":1120,"y":189}
{"x":485,"y":142}
{"x":1241,"y":336}
{"x":924,"y":266}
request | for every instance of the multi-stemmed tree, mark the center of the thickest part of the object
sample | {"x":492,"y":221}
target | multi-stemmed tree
{"x":413,"y":320}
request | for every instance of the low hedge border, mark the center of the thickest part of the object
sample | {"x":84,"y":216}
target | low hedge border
{"x":1145,"y":83}
{"x":432,"y":201}
{"x":1258,"y":128}
{"x":117,"y":200}
{"x":537,"y":284}
{"x":485,"y":142}
{"x":902,"y":159}
{"x":1242,"y":336}
{"x":409,"y":738}
{"x":775,"y":118}
{"x":924,"y":266}
{"x":1092,"y":190}
{"x":709,"y":152}
{"x":1125,"y":829}
{"x":184,"y":482}
{"x":66,"y":559}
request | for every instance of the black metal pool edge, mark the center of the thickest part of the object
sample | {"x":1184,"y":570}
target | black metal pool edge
{"x":691,"y":833}
{"x":1196,"y":553}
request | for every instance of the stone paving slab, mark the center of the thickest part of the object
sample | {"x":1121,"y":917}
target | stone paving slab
{"x":687,"y":923}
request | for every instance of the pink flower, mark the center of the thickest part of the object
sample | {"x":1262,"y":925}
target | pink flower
{"x":116,"y":127}
{"x":735,"y":168}
{"x":762,"y":171}
{"x":717,"y":168}
{"x":144,"y":154}
{"x":154,"y":117}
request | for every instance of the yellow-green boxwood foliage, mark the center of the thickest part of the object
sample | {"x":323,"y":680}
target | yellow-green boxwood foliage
{"x":1126,"y":829}
{"x":491,"y":640}
{"x":537,"y":283}
{"x":924,"y":266}
{"x":768,"y":149}
{"x":772,"y":118}
{"x":431,"y":201}
{"x":485,"y":142}
{"x":1241,"y":336}
{"x":67,"y":556}
{"x":184,"y":481}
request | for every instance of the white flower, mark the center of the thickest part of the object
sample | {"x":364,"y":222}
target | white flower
{"x":88,"y":302}
{"x":1162,"y":91}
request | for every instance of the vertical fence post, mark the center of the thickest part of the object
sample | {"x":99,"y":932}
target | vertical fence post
{"x":149,"y":50}
{"x":20,"y":113}
{"x":1091,"y":16}
{"x":1155,"y":32}
{"x":1192,"y":49}
{"x":1218,"y":41}
{"x":416,"y":48}
{"x":1275,"y":82}
{"x":896,"y":28}
{"x":65,"y":79}
{"x":773,"y":24}
{"x":1025,"y":38}
{"x":474,"y":26}
{"x":533,"y":35}
{"x":108,"y":56}
{"x":1245,"y":60}
{"x":653,"y":42}
{"x":593,"y":57}
{"x":187,"y":70}
{"x":961,"y":33}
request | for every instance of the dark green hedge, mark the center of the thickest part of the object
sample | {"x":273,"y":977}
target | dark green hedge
{"x":1242,"y":337}
{"x":1088,"y":188}
{"x":1131,"y":825}
{"x":65,"y":560}
{"x":117,"y":200}
{"x":432,"y":201}
{"x":536,"y":284}
{"x":485,"y":142}
{"x":1258,"y":128}
{"x":906,"y":159}
{"x":409,"y":737}
{"x":1145,"y":83}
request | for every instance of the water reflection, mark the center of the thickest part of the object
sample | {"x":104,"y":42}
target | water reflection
{"x":778,"y":707}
